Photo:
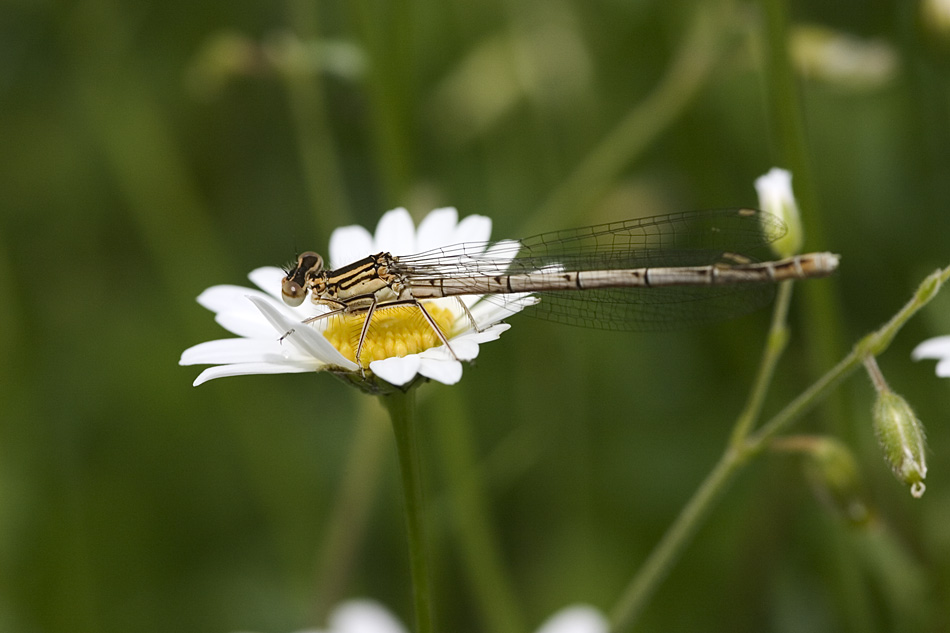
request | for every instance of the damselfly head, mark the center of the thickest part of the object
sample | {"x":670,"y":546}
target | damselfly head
{"x":294,"y":286}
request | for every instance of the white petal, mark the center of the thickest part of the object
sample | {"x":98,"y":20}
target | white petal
{"x":348,"y":244}
{"x":268,"y":279}
{"x":579,"y":619}
{"x":437,"y":353}
{"x":465,"y":348}
{"x":249,"y":324}
{"x":775,"y":190}
{"x":228,"y":298}
{"x":303,"y":338}
{"x":943,"y":368}
{"x":437,"y":229}
{"x":497,"y":308}
{"x":448,"y":372}
{"x":397,"y":371}
{"x":363,"y":616}
{"x":503,"y":252}
{"x":245,"y":369}
{"x":395,"y":233}
{"x":233,"y":311}
{"x":232,"y":350}
{"x":472,"y":228}
{"x":488,"y":334}
{"x":933,"y":348}
{"x":776,"y":197}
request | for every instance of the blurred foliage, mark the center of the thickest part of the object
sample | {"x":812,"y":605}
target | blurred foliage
{"x":152,"y":150}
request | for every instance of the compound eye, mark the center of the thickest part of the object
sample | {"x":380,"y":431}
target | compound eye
{"x":292,"y":292}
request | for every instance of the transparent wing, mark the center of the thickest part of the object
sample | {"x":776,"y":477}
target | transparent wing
{"x":697,"y":238}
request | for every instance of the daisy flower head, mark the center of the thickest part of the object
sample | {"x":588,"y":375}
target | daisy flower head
{"x":400,"y":345}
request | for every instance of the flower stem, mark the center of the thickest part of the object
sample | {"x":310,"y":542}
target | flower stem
{"x":874,"y":372}
{"x":775,"y":344}
{"x":402,"y":412}
{"x":743,"y":448}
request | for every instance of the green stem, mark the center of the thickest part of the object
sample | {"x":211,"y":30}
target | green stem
{"x":877,"y":378}
{"x":739,"y":452}
{"x":402,"y":412}
{"x":775,"y":344}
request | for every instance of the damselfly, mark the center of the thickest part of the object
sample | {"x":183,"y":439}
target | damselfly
{"x":642,"y":274}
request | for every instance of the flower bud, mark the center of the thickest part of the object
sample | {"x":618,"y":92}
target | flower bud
{"x":833,"y":473}
{"x":901,"y":435}
{"x":776,"y":197}
{"x":223,"y":56}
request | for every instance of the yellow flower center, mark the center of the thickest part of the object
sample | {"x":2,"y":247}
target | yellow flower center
{"x":396,"y":331}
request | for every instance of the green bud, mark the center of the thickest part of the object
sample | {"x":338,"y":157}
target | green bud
{"x":833,"y":473}
{"x":901,"y":435}
{"x":223,"y":56}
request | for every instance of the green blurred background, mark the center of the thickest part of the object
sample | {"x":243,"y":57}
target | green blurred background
{"x":151,"y":150}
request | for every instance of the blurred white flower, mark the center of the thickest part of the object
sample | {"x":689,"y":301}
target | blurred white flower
{"x":935,"y":16}
{"x":576,"y":619}
{"x":776,"y":197}
{"x":842,"y":59}
{"x":938,"y":348}
{"x":363,"y":616}
{"x":367,"y":616}
{"x":262,"y":320}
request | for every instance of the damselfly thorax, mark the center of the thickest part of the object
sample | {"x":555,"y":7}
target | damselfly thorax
{"x":644,"y":274}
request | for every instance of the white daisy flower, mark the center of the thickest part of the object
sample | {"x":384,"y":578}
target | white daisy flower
{"x":400,"y":345}
{"x":938,"y":348}
{"x":367,"y":616}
